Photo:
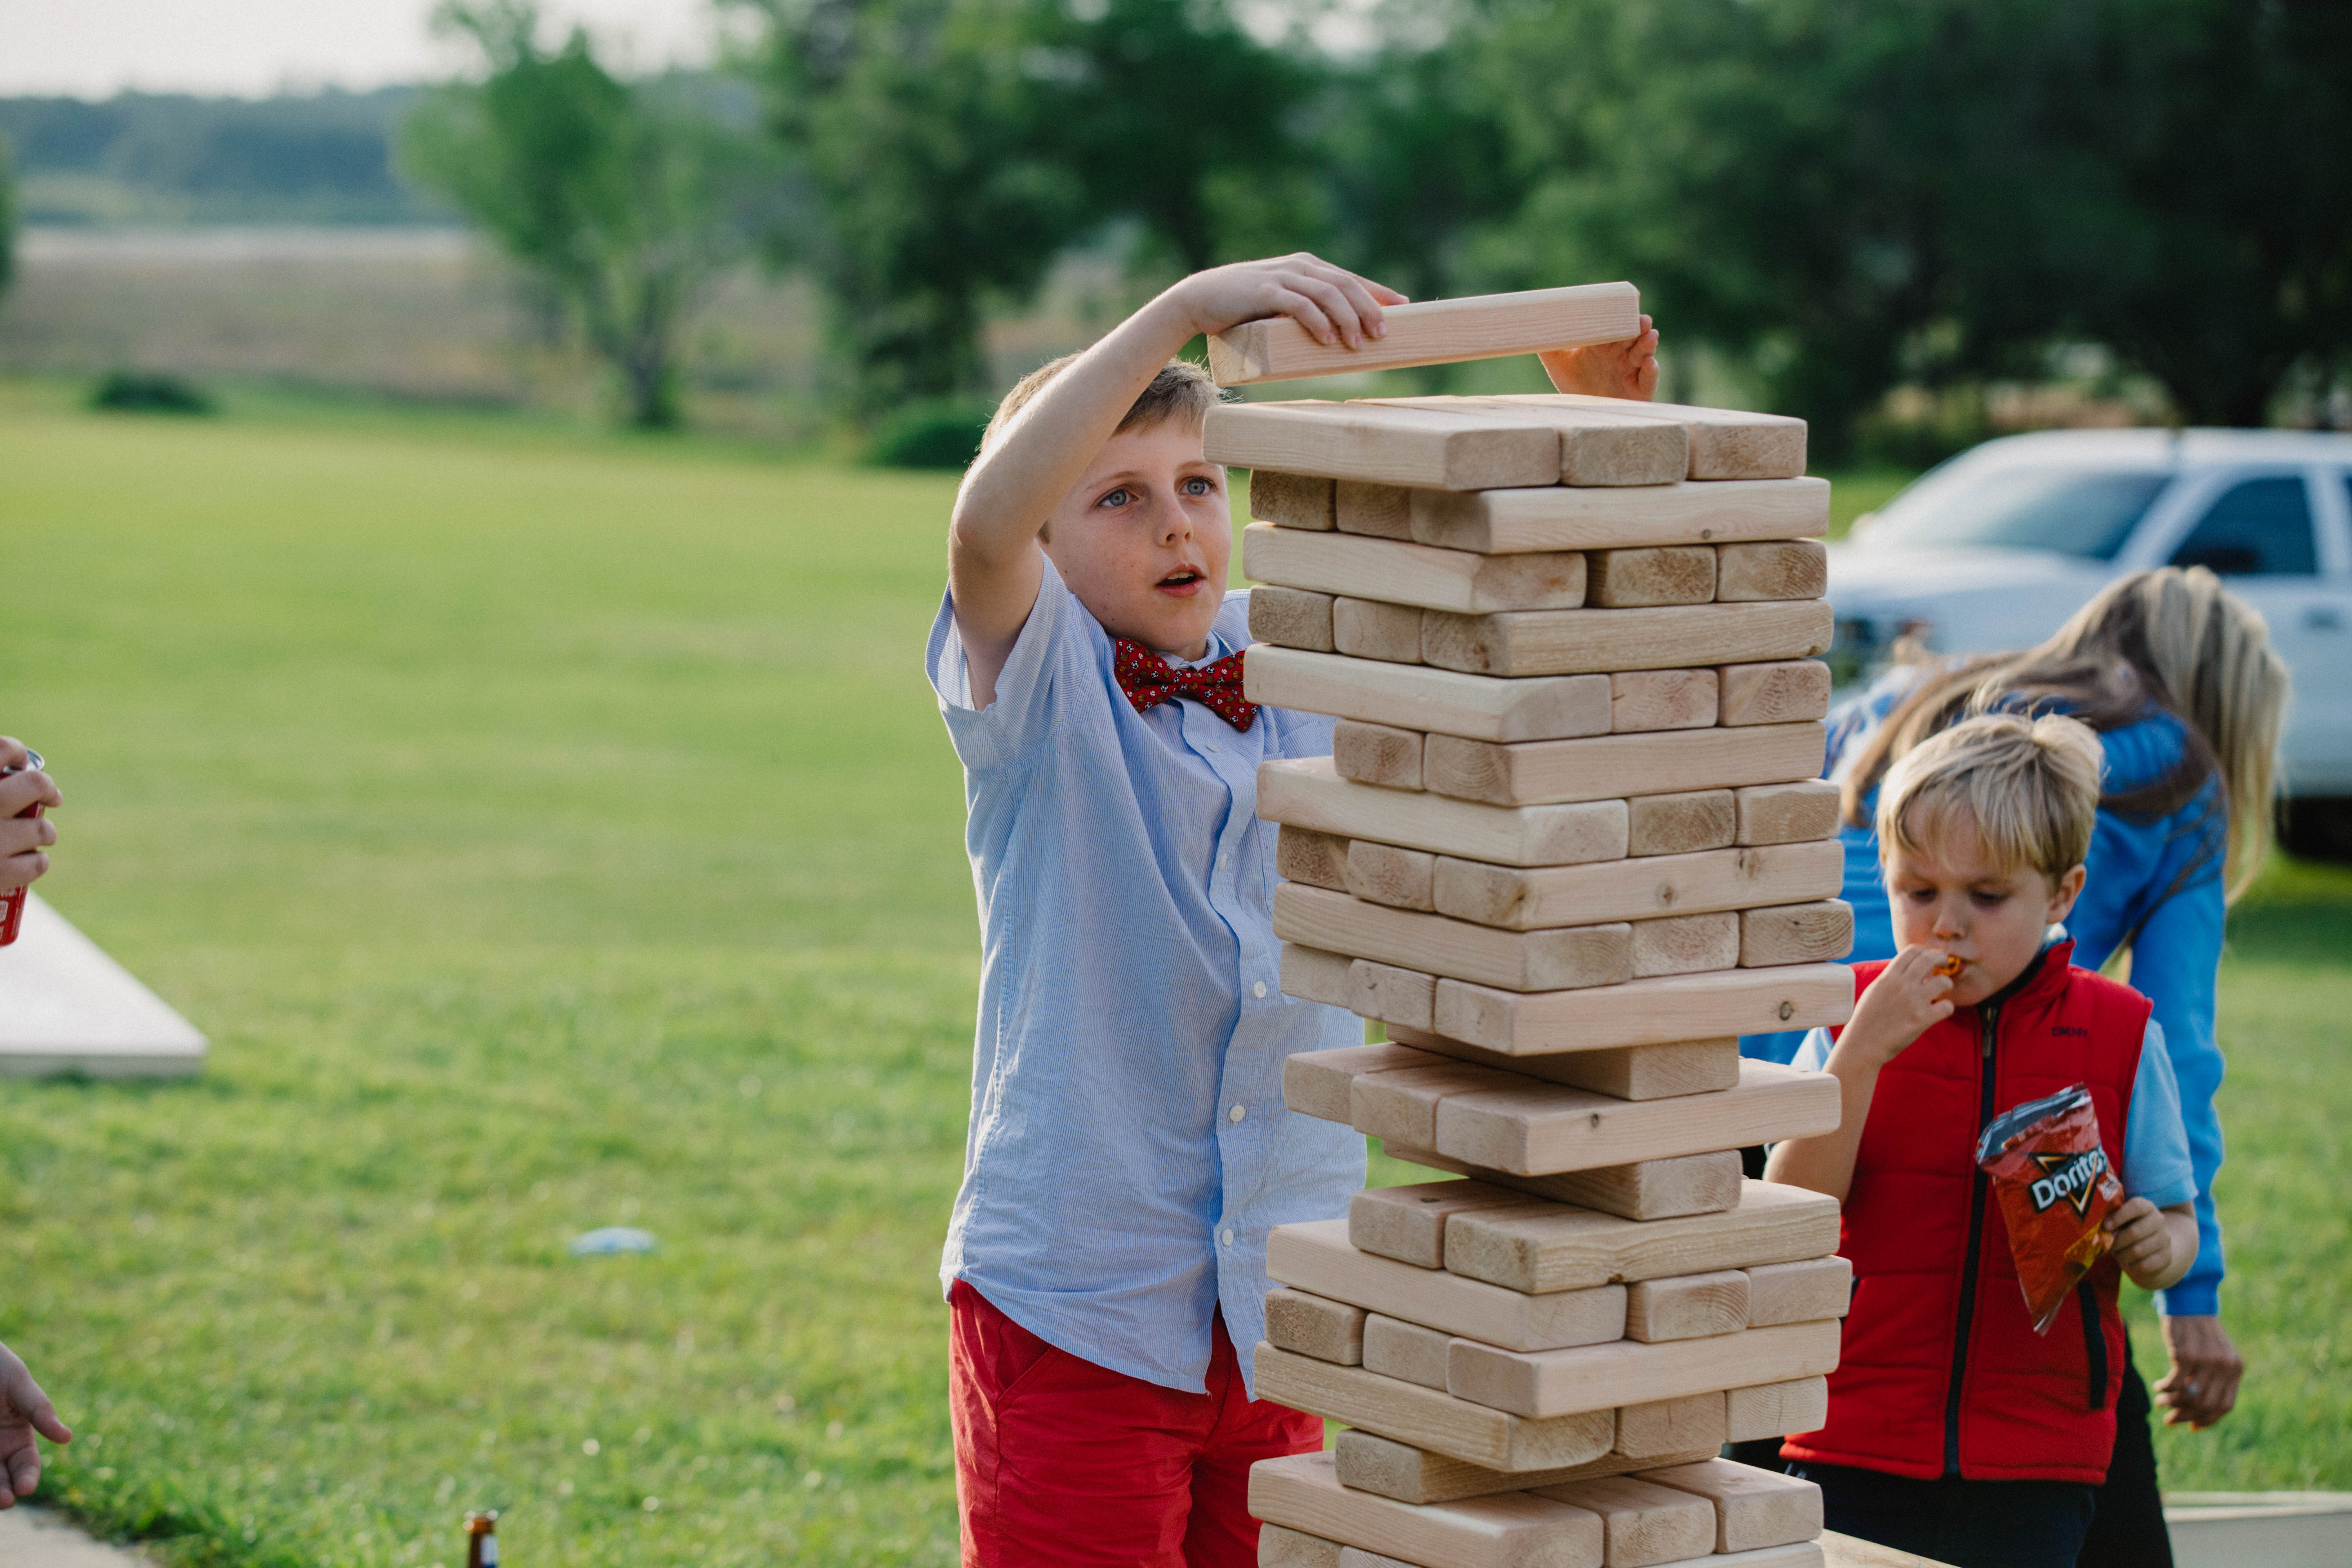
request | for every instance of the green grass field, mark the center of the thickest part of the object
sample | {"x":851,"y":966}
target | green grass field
{"x":555,"y":831}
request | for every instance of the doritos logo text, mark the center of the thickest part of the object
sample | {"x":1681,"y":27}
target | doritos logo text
{"x":2070,"y":1179}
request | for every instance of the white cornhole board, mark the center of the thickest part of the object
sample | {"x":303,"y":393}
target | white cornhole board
{"x":65,"y":1006}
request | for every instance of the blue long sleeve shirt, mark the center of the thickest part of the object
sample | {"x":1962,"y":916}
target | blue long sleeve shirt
{"x":2161,"y":878}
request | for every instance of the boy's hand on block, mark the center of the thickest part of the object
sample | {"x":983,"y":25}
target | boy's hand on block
{"x":1909,"y":995}
{"x":2149,"y":1242}
{"x":1332,"y":303}
{"x":1628,"y":370}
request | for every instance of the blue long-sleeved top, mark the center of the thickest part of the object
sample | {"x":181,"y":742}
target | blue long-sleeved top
{"x":2134,"y":866}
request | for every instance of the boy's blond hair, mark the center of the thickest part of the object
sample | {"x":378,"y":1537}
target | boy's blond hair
{"x":1181,"y":390}
{"x":2029,"y":785}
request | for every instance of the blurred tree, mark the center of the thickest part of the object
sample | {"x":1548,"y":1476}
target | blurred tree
{"x":626,"y":200}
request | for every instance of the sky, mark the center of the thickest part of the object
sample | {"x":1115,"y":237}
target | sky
{"x":93,"y":48}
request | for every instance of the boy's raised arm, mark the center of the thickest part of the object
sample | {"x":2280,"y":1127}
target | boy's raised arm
{"x":1901,"y":1005}
{"x":993,"y":562}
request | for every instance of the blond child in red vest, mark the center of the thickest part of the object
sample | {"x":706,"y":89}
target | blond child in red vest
{"x":1955,"y":1431}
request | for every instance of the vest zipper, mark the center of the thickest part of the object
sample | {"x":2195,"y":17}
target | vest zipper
{"x":2094,"y":1344}
{"x":1988,"y":1035}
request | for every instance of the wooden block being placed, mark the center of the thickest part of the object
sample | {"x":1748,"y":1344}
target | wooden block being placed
{"x":1302,"y":1491}
{"x":1688,"y":1305}
{"x":1787,"y":812}
{"x":1427,"y":1418}
{"x":1390,"y":445}
{"x":1663,"y":575}
{"x":1416,"y":696}
{"x":1686,"y":945}
{"x":1290,"y":617}
{"x":1529,"y":898}
{"x":1597,"y":446}
{"x":1646,"y":1190}
{"x":1315,"y":1256}
{"x":1644,"y":1012}
{"x":1384,"y":874}
{"x":1377,"y":511}
{"x":1377,"y":754}
{"x":1313,"y":1325}
{"x":1434,"y":332}
{"x":1319,"y":860}
{"x":1381,"y":568}
{"x":1311,"y":793}
{"x":1557,"y":517}
{"x":1776,"y":1409}
{"x":1644,"y":1524}
{"x":1645,"y":699}
{"x":1796,"y":934}
{"x":1534,"y":1129}
{"x":1634,"y":1072}
{"x":1557,"y":960}
{"x":1779,"y":569}
{"x":1394,"y":1348}
{"x":1367,"y":628}
{"x":1680,"y":823}
{"x":1787,"y":691}
{"x":1370,"y":1463}
{"x":1280,"y":1548}
{"x":1408,"y":1223}
{"x":1570,"y":1251}
{"x":1725,"y":443}
{"x":1667,"y":636}
{"x":1753,"y":1507}
{"x":1293,"y":501}
{"x":1606,"y":767}
{"x":1403,"y":1104}
{"x":1402,"y":998}
{"x":1799,"y":1292}
{"x":1668,"y":1427}
{"x":1316,"y":1083}
{"x":1313,"y":975}
{"x":1539,"y":1385}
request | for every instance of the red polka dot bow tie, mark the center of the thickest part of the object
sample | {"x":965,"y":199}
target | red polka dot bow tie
{"x":1149,"y":680}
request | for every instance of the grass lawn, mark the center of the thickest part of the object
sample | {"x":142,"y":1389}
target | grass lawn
{"x":555,"y":831}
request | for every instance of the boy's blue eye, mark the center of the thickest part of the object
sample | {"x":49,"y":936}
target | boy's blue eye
{"x":1116,"y":498}
{"x":1197,"y":486}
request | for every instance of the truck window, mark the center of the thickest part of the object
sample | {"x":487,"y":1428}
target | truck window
{"x":2072,"y":510}
{"x":2256,"y":528}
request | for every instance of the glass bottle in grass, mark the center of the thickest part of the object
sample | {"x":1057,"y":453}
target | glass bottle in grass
{"x":482,"y":1539}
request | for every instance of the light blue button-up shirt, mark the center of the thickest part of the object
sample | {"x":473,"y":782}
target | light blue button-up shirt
{"x":1129,"y":1148}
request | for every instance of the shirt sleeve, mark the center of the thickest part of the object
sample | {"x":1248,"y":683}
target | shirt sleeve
{"x":2155,"y":1143}
{"x":1049,"y":665}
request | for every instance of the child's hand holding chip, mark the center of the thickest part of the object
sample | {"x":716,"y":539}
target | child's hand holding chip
{"x":1911,"y":995}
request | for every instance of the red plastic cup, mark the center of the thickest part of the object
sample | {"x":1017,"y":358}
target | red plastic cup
{"x":12,"y":902}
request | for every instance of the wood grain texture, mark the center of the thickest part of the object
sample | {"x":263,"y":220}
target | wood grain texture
{"x":1528,"y":898}
{"x":1394,"y":1348}
{"x":1368,"y":628}
{"x":1643,"y":1524}
{"x":1385,"y":874}
{"x":1813,"y":932}
{"x":1683,"y":823}
{"x":1408,"y":1223}
{"x":1542,"y":1384}
{"x":1535,"y":1129}
{"x":1402,"y":1104}
{"x":1406,"y":574}
{"x":1379,"y":754}
{"x":1319,"y":860}
{"x":1787,"y":812}
{"x":1667,"y":636}
{"x":1368,"y":1462}
{"x":1645,"y":1011}
{"x":1315,"y":1326}
{"x":1432,"y":332}
{"x":1775,"y":568}
{"x":1311,"y":793}
{"x":1557,"y":960}
{"x":1684,"y":944}
{"x":1377,"y":511}
{"x":1597,"y":446}
{"x":1514,"y":1529}
{"x":1753,"y":1507}
{"x":1417,"y":697}
{"x":1655,"y":574}
{"x":1290,"y":617}
{"x":1645,"y":1190}
{"x":1776,"y":1409}
{"x":1291,"y":500}
{"x":1560,"y":517}
{"x":1688,"y":1305}
{"x":1404,"y":998}
{"x":1315,"y":1256}
{"x":1799,"y":1292}
{"x":1784,"y":691}
{"x":1632,"y":1072}
{"x":1427,"y":1418}
{"x":1313,"y":975}
{"x":1662,"y":1429}
{"x":1389,"y":446}
{"x":1281,"y":1548}
{"x":1725,"y":443}
{"x":1316,"y":1083}
{"x":1574,"y":1251}
{"x":1608,"y":767}
{"x":1645,"y":699}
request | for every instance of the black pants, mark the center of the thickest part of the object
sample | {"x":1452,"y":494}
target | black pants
{"x":1972,"y":1524}
{"x":2128,"y":1529}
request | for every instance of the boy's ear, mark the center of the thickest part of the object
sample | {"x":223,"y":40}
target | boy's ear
{"x":2065,"y":891}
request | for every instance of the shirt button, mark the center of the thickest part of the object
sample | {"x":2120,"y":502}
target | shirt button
{"x":1226,"y":1235}
{"x":1258,"y":990}
{"x":1224,"y":859}
{"x":1213,"y":745}
{"x":1235,"y":1114}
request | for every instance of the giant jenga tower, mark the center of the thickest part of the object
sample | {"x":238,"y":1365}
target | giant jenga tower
{"x":1568,"y":847}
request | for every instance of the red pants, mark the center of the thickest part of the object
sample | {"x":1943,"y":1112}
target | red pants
{"x":1062,"y":1461}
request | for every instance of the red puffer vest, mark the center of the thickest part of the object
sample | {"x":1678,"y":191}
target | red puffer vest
{"x":1941,"y":1372}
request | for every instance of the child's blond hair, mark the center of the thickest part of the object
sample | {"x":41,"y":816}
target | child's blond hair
{"x":1181,"y":390}
{"x":2030,"y":786}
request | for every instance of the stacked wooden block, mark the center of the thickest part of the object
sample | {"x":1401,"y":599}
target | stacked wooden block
{"x":1570,"y":845}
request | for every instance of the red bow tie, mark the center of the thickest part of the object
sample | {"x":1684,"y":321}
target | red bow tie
{"x":1149,"y":680}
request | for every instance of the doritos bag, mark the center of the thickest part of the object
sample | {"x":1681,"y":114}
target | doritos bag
{"x":2051,"y":1174}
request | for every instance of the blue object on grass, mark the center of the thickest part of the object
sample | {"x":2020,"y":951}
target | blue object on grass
{"x":613,"y":1238}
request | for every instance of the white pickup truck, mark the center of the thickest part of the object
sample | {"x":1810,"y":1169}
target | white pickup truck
{"x":1997,"y":547}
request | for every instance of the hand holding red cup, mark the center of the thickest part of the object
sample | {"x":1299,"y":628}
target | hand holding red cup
{"x":25,"y":792}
